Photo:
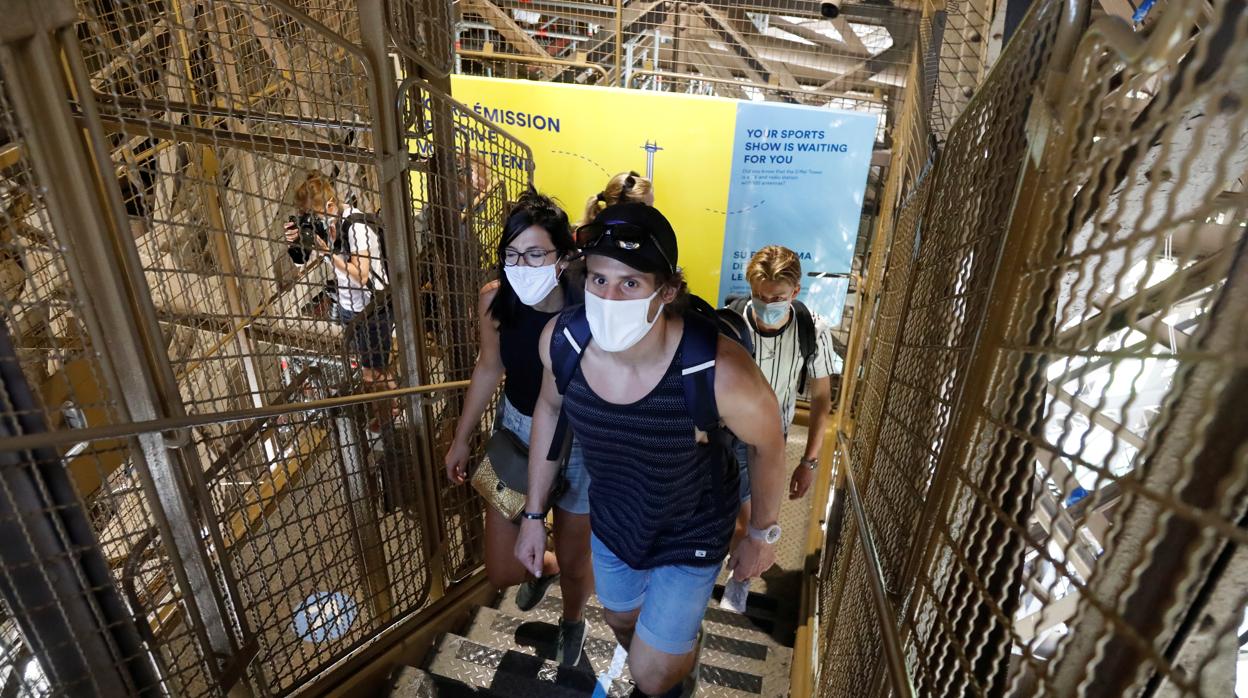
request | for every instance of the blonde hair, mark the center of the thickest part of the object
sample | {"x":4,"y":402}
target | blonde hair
{"x":774,"y":263}
{"x":314,"y":192}
{"x":625,"y":187}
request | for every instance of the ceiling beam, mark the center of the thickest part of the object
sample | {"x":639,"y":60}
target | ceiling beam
{"x":851,"y":37}
{"x":804,"y":31}
{"x":730,"y":28}
{"x":516,"y":35}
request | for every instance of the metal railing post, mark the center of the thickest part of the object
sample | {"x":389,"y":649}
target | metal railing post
{"x":392,"y":161}
{"x":361,"y":493}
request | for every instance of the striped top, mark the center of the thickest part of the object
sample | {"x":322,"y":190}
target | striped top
{"x":779,"y":356}
{"x":656,"y":497}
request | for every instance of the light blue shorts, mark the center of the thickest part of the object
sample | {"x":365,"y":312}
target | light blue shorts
{"x":575,"y":499}
{"x":672,"y":598}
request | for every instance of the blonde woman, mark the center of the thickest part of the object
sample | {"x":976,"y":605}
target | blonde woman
{"x":624,"y":188}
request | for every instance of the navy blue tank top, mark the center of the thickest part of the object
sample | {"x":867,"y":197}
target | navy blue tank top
{"x":656,"y":496}
{"x":518,"y":347}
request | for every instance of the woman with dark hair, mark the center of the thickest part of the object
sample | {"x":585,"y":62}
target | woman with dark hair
{"x":533,"y":286}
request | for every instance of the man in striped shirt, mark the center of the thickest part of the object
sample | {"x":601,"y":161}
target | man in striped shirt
{"x":776,"y":320}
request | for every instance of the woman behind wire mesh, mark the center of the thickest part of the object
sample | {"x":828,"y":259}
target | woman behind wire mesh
{"x":534,"y":284}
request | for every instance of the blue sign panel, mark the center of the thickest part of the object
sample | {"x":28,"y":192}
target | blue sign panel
{"x":799,"y":175}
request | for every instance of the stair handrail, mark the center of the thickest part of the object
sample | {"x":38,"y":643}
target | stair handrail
{"x":898,"y":675}
{"x":174,"y":427}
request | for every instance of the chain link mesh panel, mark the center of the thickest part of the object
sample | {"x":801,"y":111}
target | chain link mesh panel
{"x":88,"y":491}
{"x":1053,"y":459}
{"x":317,"y":527}
{"x":458,"y":255}
{"x":741,"y":50}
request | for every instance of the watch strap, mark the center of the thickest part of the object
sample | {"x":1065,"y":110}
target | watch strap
{"x":533,"y":516}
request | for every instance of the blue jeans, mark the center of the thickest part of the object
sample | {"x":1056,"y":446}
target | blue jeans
{"x":672,"y":598}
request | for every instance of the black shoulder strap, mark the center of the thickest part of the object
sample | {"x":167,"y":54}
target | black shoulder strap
{"x":699,"y":348}
{"x":807,"y":338}
{"x":373,"y":221}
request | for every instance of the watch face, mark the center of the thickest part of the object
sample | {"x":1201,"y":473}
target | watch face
{"x":773,"y":534}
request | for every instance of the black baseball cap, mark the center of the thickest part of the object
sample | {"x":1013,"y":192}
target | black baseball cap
{"x":633,"y":233}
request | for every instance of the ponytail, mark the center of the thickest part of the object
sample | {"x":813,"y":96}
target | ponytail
{"x":622,"y":188}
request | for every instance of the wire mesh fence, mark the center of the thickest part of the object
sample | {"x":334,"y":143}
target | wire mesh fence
{"x":742,"y":50}
{"x":458,"y":255}
{"x":1045,"y":428}
{"x":237,"y":285}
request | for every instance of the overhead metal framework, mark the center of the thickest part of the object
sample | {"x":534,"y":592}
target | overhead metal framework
{"x":749,"y":50}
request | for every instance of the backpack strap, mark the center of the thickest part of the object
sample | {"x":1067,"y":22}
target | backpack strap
{"x":737,"y":304}
{"x":697,"y":371}
{"x":375,"y":266}
{"x":807,"y":340}
{"x":567,"y":345}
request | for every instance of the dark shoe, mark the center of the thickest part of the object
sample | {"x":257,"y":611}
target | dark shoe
{"x":531,"y":593}
{"x":570,"y":642}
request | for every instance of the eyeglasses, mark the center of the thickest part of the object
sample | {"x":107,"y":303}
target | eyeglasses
{"x":625,"y":236}
{"x":532,"y":257}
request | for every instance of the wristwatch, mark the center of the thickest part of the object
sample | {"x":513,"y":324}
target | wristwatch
{"x":768,"y":535}
{"x":533,"y":516}
{"x":811,"y":463}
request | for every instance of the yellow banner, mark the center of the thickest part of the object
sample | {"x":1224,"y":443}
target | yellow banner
{"x":581,"y":136}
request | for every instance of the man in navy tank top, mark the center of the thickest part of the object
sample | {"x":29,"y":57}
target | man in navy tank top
{"x":663,"y":494}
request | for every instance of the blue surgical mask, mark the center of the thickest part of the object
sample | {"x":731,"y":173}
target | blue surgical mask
{"x":770,"y":314}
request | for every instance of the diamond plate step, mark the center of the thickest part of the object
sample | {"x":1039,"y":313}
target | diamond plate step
{"x":716,"y":621}
{"x":410,"y":682}
{"x":531,"y":635}
{"x":469,"y":668}
{"x":731,"y":667}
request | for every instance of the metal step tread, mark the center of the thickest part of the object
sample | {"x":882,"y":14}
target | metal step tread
{"x":731,"y":668}
{"x":501,"y":672}
{"x":746,"y":628}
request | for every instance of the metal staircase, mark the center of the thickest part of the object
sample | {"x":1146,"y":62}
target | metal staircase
{"x":507,"y":652}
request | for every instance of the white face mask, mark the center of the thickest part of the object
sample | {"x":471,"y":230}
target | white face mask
{"x":618,"y":325}
{"x":532,"y":284}
{"x":770,"y":314}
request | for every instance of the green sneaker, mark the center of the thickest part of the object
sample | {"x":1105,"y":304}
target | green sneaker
{"x":531,"y":593}
{"x":570,"y":642}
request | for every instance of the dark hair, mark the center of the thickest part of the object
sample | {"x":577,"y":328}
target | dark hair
{"x":532,"y":209}
{"x":675,"y":279}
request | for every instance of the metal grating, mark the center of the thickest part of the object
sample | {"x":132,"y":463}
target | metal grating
{"x":1045,"y":429}
{"x":421,"y":30}
{"x":208,"y":458}
{"x":457,"y":254}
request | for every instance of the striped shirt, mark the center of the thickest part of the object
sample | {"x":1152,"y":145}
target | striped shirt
{"x":655,"y":496}
{"x":778,"y":354}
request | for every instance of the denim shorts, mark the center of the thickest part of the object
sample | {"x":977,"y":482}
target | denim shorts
{"x":672,"y":598}
{"x":370,"y":337}
{"x":575,"y":499}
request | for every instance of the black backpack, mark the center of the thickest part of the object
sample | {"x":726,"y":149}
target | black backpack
{"x":807,"y":336}
{"x":703,"y":326}
{"x":376,"y":278}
